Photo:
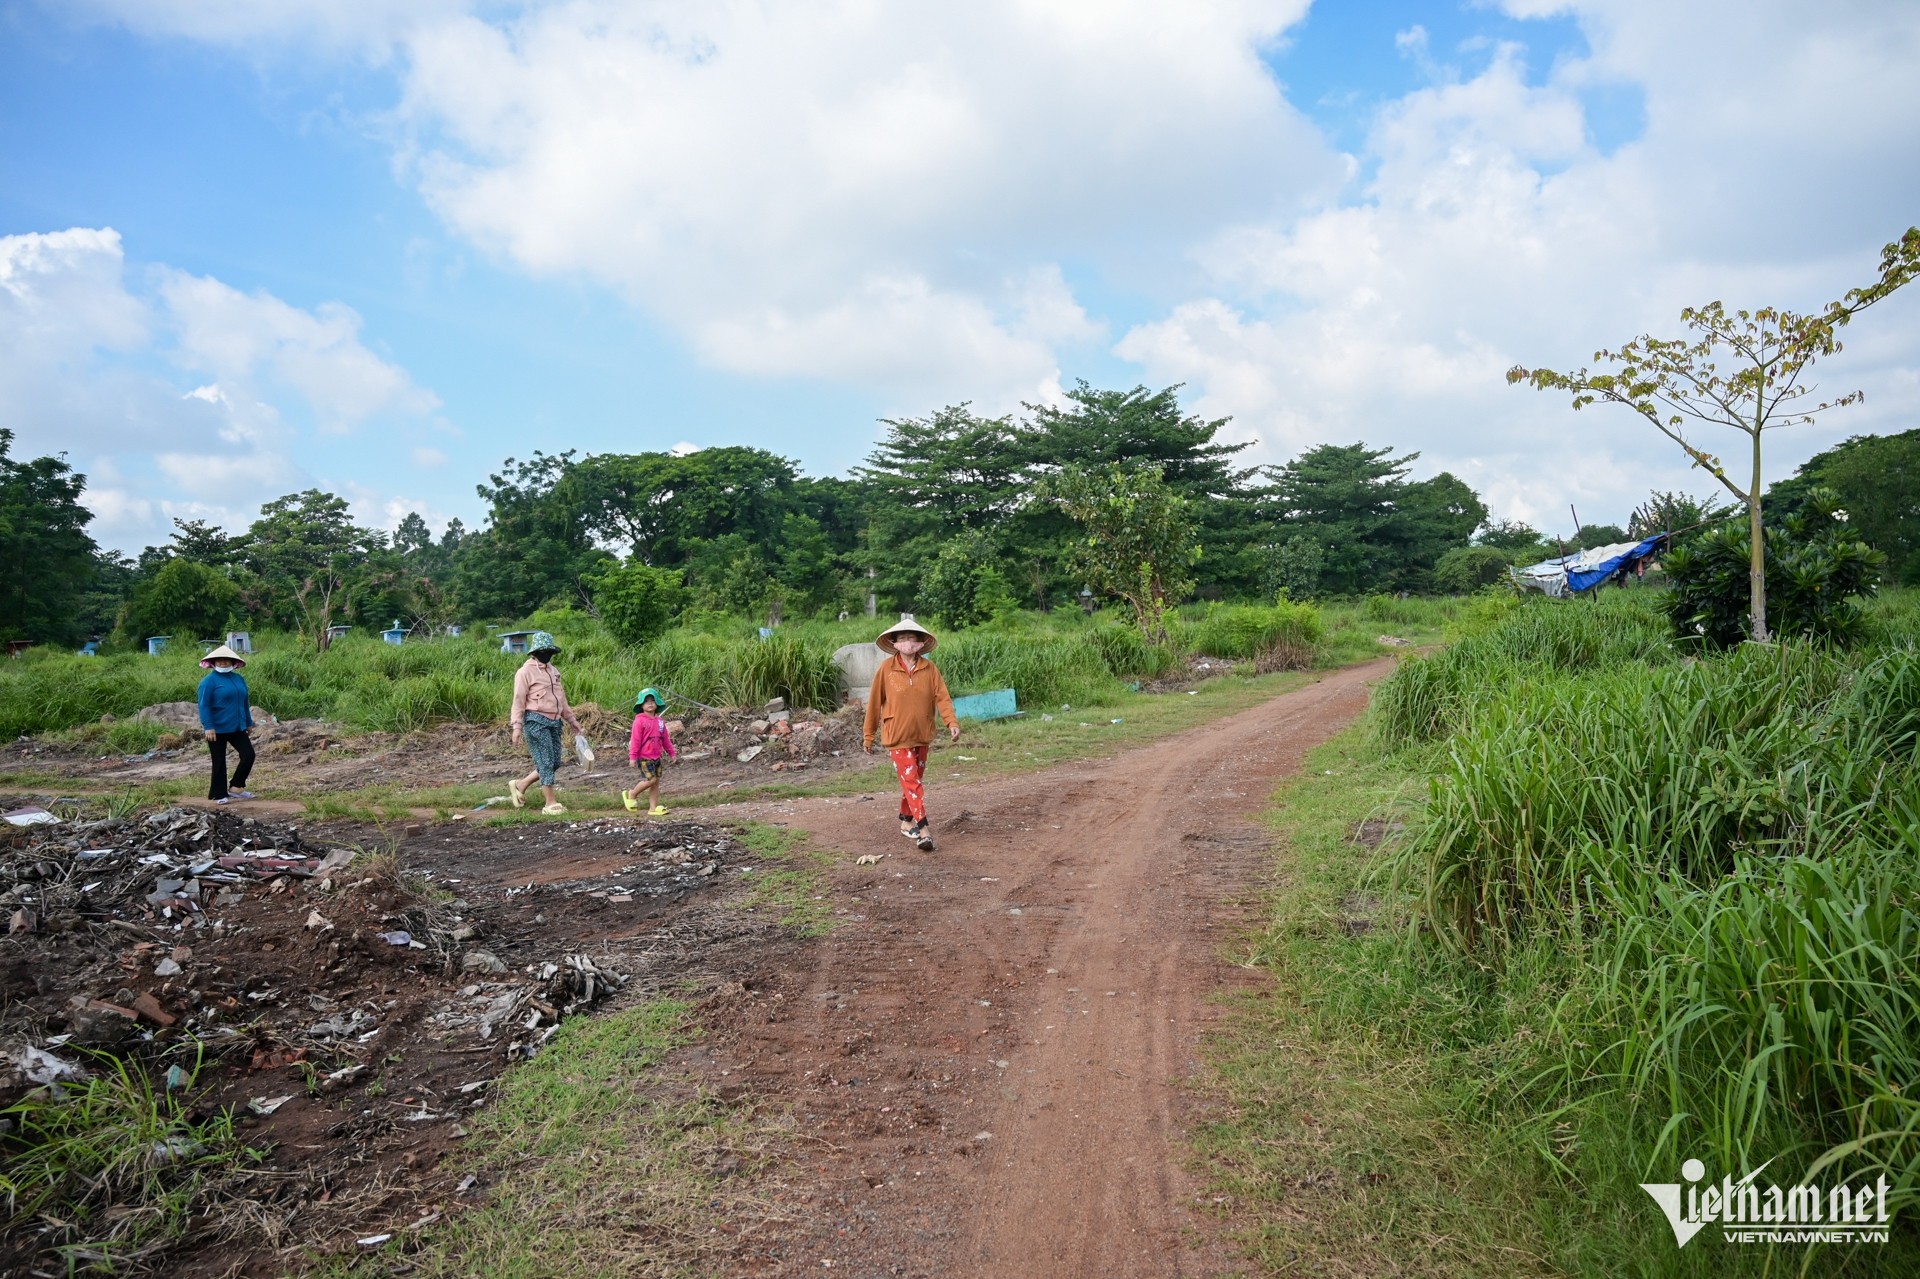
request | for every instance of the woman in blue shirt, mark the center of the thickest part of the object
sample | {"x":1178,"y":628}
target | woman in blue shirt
{"x":226,"y":717}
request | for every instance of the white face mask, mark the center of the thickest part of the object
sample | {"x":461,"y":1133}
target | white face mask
{"x":225,"y":668}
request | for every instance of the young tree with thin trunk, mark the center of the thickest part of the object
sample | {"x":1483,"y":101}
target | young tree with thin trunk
{"x":1741,"y":369}
{"x":1135,"y":537}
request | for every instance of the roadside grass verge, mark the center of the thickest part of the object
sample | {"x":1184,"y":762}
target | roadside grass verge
{"x":1639,"y":911}
{"x":1508,"y":642}
{"x":596,"y":1163}
{"x":1339,"y":1150}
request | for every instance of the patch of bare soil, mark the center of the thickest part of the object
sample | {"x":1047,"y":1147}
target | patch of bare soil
{"x":349,"y":1014}
{"x":718,"y":750}
{"x":995,"y":1046}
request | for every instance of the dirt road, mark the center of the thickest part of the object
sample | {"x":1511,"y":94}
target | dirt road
{"x":989,"y":1051}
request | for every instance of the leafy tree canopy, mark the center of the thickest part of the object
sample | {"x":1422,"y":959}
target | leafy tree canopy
{"x":1136,"y":539}
{"x":50,"y":558}
{"x":1377,"y":530}
{"x":1876,"y":480}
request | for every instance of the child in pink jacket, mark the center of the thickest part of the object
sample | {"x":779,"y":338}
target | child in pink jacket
{"x":645,"y":748}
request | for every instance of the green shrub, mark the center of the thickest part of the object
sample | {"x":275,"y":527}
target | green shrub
{"x":1816,"y":572}
{"x":187,"y":600}
{"x":637,"y":601}
{"x":963,"y":586}
{"x":1466,"y":569}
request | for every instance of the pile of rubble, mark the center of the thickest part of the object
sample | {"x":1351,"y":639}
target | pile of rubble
{"x":236,"y":931}
{"x":171,"y":865}
{"x":773,"y":735}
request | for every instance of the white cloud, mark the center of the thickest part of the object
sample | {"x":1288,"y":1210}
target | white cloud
{"x":60,"y":295}
{"x":240,"y":337}
{"x":429,"y":457}
{"x":843,"y":189}
{"x":112,"y":378}
{"x":1492,"y":233}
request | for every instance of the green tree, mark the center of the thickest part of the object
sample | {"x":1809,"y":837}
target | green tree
{"x":1513,"y":536}
{"x":638,"y":602}
{"x":931,"y":479}
{"x":201,"y":542}
{"x":1343,"y":494}
{"x":107,"y":592}
{"x":1674,"y":382}
{"x":186,"y":599}
{"x":1293,"y":568}
{"x":963,"y":586}
{"x":1436,"y":516}
{"x":730,"y":574}
{"x":805,"y":572}
{"x":1136,"y":537}
{"x":659,"y":504}
{"x":1877,"y":481}
{"x":538,"y":545}
{"x":412,"y":536}
{"x":1106,"y":427}
{"x":1466,"y":569}
{"x":1673,"y":512}
{"x":1592,"y":535}
{"x":309,"y":557}
{"x":1379,"y":531}
{"x":49,"y":558}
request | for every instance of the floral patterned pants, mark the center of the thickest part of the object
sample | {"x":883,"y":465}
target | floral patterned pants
{"x":910,"y":762}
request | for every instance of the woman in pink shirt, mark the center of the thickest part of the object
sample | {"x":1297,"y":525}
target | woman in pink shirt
{"x":649,"y":743}
{"x":539,"y":708}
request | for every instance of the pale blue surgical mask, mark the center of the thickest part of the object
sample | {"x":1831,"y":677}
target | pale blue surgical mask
{"x":225,"y":668}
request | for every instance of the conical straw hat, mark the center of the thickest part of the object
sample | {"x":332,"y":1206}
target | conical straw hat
{"x":906,"y":623}
{"x":223,"y":651}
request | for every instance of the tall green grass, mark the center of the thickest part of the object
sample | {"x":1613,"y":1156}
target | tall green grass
{"x":1776,"y":752}
{"x":1285,"y":633}
{"x":1429,"y":695}
{"x":1674,"y":907}
{"x":1083,"y":666}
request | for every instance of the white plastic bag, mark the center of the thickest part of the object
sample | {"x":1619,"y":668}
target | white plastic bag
{"x":583,"y":749}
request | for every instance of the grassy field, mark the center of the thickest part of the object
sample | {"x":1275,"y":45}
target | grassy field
{"x":1628,"y":910}
{"x":362,"y":683}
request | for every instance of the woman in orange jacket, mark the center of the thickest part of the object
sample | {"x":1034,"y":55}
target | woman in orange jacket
{"x":907,"y":691}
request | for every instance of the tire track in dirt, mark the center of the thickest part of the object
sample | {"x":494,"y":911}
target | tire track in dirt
{"x":989,"y":1051}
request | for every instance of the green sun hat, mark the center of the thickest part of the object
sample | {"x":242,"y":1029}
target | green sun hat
{"x":541,"y":642}
{"x":644,"y":694}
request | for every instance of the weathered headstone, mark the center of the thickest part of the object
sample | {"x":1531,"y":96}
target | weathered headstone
{"x":858,"y":664}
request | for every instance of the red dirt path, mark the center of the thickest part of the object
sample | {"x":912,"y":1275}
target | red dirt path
{"x":991,"y":1050}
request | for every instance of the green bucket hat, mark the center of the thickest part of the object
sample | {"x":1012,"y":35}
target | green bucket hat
{"x":541,"y":642}
{"x":645,"y":693}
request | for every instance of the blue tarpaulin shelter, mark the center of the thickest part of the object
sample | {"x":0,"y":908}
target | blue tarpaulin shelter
{"x":1572,"y":574}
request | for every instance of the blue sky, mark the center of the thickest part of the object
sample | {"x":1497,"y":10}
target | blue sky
{"x":248,"y":249}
